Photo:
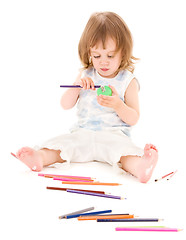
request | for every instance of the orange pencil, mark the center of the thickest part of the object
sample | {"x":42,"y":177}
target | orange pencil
{"x":91,"y":183}
{"x":106,"y":217}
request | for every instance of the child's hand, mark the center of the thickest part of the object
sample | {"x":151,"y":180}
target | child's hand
{"x":113,"y":101}
{"x":86,"y":83}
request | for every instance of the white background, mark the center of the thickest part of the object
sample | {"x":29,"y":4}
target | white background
{"x":38,"y":52}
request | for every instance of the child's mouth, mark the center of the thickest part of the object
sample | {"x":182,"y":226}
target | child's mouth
{"x":104,"y":69}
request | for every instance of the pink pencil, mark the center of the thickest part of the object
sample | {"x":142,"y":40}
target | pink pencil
{"x":70,"y":179}
{"x":61,"y":176}
{"x":156,"y":229}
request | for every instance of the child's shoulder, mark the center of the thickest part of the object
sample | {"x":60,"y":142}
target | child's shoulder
{"x":89,"y":72}
{"x":125,"y":74}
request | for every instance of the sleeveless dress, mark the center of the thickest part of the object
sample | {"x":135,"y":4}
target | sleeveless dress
{"x":99,"y":134}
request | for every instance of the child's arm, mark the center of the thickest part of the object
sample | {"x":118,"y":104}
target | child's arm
{"x":70,"y":97}
{"x":128,"y":111}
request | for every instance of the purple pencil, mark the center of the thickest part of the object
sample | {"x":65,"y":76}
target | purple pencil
{"x":77,"y":86}
{"x":93,"y":194}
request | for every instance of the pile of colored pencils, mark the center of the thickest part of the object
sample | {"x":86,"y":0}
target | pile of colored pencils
{"x":105,"y":216}
{"x":78,"y":180}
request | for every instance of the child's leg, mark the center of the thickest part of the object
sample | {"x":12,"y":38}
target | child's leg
{"x":36,"y":160}
{"x":141,"y":167}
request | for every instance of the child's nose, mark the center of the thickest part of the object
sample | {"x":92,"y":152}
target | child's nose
{"x":104,"y":61}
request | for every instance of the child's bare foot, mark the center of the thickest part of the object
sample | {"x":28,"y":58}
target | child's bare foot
{"x":147,"y":163}
{"x":32,"y":158}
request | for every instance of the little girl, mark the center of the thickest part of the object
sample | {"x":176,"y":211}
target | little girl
{"x":102,"y":132}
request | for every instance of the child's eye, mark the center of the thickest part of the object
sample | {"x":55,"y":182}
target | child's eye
{"x":96,"y":56}
{"x":110,"y":56}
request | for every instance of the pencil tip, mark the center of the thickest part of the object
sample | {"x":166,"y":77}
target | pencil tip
{"x":159,"y":220}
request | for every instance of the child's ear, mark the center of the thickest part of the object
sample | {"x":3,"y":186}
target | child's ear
{"x":90,"y":60}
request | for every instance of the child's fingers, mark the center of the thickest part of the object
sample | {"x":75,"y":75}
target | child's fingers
{"x":114,"y":92}
{"x":90,"y":83}
{"x":104,"y":100}
{"x":84,"y":84}
{"x":87,"y":83}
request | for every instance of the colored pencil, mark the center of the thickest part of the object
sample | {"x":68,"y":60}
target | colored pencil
{"x":88,"y":214}
{"x":106,"y":217}
{"x":130,"y":220}
{"x":145,"y":226}
{"x":92,"y":183}
{"x":13,"y":155}
{"x":146,"y":229}
{"x":164,"y":176}
{"x":77,"y":86}
{"x":70,"y":179}
{"x":94,"y":194}
{"x":77,"y":212}
{"x":63,"y":176}
{"x":169,"y":177}
{"x":115,"y":214}
{"x":65,"y":189}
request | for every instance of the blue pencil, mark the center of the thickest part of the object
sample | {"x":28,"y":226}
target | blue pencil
{"x":130,"y":220}
{"x":88,"y":214}
{"x":77,"y":86}
{"x":93,"y":194}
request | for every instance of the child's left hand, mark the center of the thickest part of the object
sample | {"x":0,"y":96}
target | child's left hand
{"x":113,"y":101}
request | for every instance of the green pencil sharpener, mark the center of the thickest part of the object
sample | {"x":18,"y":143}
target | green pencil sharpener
{"x":104,"y":90}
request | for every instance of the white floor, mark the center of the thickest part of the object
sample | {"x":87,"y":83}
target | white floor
{"x":30,"y":211}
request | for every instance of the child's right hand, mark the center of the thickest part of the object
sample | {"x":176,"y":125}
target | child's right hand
{"x":85,"y":83}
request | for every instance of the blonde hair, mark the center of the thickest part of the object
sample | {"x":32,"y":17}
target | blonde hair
{"x":100,"y":27}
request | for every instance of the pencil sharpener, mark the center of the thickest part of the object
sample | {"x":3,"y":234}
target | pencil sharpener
{"x":104,"y":90}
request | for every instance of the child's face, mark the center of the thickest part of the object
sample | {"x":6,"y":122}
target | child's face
{"x":106,"y":61}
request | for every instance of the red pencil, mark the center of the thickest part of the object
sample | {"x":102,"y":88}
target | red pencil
{"x":171,"y":175}
{"x":65,"y":189}
{"x":164,"y":176}
{"x":13,"y":155}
